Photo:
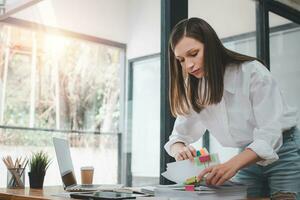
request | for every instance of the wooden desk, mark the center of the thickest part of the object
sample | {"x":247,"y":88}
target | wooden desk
{"x":47,"y":192}
{"x":27,"y":193}
{"x":44,"y":194}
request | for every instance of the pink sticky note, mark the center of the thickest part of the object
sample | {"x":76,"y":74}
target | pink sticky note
{"x":204,"y":158}
{"x":189,"y":188}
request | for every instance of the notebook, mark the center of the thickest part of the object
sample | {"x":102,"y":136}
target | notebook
{"x":66,"y":168}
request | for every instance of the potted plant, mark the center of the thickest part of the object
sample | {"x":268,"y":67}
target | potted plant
{"x":38,"y":165}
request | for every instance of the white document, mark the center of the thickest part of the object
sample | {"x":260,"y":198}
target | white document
{"x":179,"y":171}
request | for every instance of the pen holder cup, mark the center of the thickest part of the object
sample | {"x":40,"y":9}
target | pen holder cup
{"x":15,"y":178}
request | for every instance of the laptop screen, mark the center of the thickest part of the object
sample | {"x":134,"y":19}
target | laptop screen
{"x":64,"y":161}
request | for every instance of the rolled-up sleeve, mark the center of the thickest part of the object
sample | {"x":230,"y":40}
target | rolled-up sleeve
{"x":267,"y":103}
{"x":187,"y":129}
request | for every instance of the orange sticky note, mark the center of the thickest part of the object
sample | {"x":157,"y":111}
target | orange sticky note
{"x":202,"y":151}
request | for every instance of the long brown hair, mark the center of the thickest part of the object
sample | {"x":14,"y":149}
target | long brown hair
{"x":187,"y":91}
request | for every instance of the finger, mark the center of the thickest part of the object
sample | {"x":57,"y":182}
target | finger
{"x":189,"y":155}
{"x":218,"y":173}
{"x":225,"y":177}
{"x":178,"y":157}
{"x":217,"y":177}
{"x":183,"y":155}
{"x":203,"y":172}
{"x":221,"y":181}
{"x":193,"y":151}
{"x":210,"y":176}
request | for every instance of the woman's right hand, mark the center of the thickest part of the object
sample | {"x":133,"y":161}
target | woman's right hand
{"x":184,"y":153}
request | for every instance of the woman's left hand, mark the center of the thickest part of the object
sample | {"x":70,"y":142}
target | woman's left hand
{"x":218,"y":174}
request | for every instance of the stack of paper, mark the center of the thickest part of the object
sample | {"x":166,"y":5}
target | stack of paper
{"x":179,"y":171}
{"x":232,"y":192}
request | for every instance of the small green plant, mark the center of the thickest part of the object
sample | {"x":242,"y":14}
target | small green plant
{"x":39,"y":163}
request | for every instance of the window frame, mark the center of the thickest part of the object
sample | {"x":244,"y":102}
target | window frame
{"x":81,"y":36}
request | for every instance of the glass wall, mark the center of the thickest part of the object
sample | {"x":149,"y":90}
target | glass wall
{"x":144,"y":119}
{"x":62,"y":82}
{"x":58,"y":85}
{"x":284,"y":59}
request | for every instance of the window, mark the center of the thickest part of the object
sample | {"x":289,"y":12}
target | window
{"x":284,"y":59}
{"x":59,"y":85}
{"x":143,"y":127}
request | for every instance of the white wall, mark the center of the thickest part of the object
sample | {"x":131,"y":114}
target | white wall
{"x":228,"y":17}
{"x":134,"y":22}
{"x":101,"y":18}
{"x":144,"y":28}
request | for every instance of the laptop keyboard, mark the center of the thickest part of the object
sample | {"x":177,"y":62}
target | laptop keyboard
{"x":82,"y":188}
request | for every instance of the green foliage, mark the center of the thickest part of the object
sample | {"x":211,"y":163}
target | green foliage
{"x":39,"y":162}
{"x":82,"y":79}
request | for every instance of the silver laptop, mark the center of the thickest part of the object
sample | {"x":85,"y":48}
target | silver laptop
{"x":65,"y":164}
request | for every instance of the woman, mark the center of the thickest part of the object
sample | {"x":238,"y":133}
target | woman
{"x":235,"y":97}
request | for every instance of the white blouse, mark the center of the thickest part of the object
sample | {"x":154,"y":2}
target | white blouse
{"x":251,"y":114}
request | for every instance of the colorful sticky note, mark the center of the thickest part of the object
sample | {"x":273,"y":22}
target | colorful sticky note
{"x":202,"y":151}
{"x":205,"y":150}
{"x":204,"y":158}
{"x":197,"y":161}
{"x":214,"y":157}
{"x":191,"y":180}
{"x":189,"y":188}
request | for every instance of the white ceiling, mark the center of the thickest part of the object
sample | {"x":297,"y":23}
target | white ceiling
{"x":100,"y":18}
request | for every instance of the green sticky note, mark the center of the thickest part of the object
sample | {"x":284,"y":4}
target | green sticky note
{"x":197,"y":161}
{"x":213,"y":157}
